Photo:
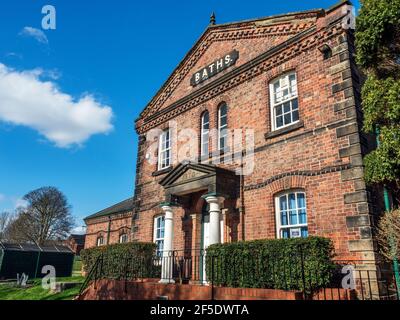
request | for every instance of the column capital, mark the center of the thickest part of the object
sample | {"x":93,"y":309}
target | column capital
{"x":167,"y":205}
{"x":213,"y":198}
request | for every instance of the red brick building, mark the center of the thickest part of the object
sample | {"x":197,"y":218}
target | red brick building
{"x":289,"y":84}
{"x":111,"y":225}
{"x":76,"y":242}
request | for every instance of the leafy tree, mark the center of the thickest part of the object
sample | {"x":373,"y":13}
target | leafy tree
{"x":47,"y":216}
{"x":378,"y":55}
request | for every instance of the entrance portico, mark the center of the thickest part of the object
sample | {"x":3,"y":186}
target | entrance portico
{"x":182,"y":186}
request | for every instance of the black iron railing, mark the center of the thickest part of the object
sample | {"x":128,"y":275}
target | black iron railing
{"x":344,"y":280}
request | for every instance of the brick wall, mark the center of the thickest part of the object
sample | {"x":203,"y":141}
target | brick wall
{"x":109,"y":228}
{"x":120,"y":290}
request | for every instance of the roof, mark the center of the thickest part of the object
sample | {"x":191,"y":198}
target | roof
{"x":277,"y":18}
{"x":120,"y":207}
{"x":33,"y":247}
{"x":78,"y":238}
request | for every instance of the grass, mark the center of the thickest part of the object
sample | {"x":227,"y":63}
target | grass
{"x":77,"y":267}
{"x":9,"y":291}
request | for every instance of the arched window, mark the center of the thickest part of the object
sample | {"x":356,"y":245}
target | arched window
{"x":205,"y":132}
{"x":291,"y":214}
{"x":284,"y":101}
{"x":123,"y":238}
{"x":222,"y":126}
{"x":100,"y":241}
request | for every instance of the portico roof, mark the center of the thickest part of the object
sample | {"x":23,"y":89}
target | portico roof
{"x":191,"y":177}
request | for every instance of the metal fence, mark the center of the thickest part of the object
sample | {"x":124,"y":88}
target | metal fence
{"x":345,"y":280}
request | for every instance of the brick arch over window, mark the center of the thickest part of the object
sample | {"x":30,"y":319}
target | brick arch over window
{"x":287,"y":183}
{"x":290,"y":66}
{"x":222,"y":99}
{"x":101,"y":233}
{"x":124,"y":230}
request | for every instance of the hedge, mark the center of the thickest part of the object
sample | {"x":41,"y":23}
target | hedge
{"x":123,"y":260}
{"x":287,"y":264}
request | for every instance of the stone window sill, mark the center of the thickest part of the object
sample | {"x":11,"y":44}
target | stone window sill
{"x":279,"y":132}
{"x":162,"y":171}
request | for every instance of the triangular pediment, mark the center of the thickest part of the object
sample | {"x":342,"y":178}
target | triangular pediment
{"x":248,"y":39}
{"x":186,"y":172}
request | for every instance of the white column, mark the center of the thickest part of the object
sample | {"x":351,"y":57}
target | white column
{"x":215,"y":213}
{"x":167,"y":257}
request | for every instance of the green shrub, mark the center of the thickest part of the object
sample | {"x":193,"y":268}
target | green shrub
{"x":287,"y":264}
{"x":123,"y":260}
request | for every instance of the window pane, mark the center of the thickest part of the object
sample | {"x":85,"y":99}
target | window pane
{"x":304,"y":232}
{"x":286,"y":93}
{"x":293,"y":217}
{"x":292,"y":201}
{"x":206,"y":120}
{"x":279,"y":121}
{"x":278,"y":110}
{"x":293,"y":84}
{"x":295,"y":115}
{"x":302,"y":216}
{"x":223,"y":122}
{"x":284,"y":221}
{"x":300,"y":200}
{"x":283,"y":203}
{"x":276,"y":86}
{"x":222,"y":143}
{"x":285,"y":233}
{"x":287,"y":118}
{"x":222,"y":110}
{"x":286,"y":107}
{"x":295,"y":105}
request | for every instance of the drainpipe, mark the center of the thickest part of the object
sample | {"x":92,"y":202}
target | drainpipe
{"x":388,"y":208}
{"x":108,"y":230}
{"x":242,"y":203}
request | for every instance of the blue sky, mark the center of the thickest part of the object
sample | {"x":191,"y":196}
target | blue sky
{"x":115,"y":54}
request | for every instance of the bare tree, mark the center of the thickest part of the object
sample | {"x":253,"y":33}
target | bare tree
{"x":6,"y":218}
{"x":47,"y":216}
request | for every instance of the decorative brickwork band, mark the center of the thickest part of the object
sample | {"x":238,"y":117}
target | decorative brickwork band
{"x":305,"y":173}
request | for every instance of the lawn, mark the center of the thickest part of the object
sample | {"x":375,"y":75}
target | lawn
{"x":77,"y":267}
{"x":9,"y":291}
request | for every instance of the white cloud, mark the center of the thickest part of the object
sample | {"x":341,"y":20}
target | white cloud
{"x":20,"y":203}
{"x":37,"y":34}
{"x":79,"y":230}
{"x":27,"y":100}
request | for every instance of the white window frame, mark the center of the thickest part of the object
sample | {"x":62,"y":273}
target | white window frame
{"x":279,"y":226}
{"x":205,"y":135}
{"x":155,"y":229}
{"x":222,"y":128}
{"x":98,"y":242}
{"x":284,"y":83}
{"x":122,"y":237}
{"x":164,"y":150}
